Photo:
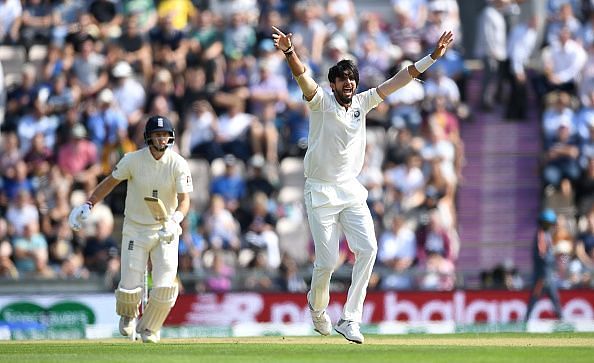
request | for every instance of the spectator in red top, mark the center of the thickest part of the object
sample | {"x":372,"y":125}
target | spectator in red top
{"x":78,"y":159}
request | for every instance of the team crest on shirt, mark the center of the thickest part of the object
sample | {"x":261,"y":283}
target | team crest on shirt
{"x":356,"y":120}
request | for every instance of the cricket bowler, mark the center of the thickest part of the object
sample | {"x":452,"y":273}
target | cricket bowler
{"x":334,"y":159}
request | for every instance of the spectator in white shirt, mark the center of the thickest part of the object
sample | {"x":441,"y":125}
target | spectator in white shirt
{"x":491,"y":48}
{"x":562,"y":62}
{"x":520,"y":45}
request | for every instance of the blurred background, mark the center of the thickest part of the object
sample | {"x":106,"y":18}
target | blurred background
{"x":458,"y":164}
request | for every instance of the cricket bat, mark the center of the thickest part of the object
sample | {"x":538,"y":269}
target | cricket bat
{"x":159,"y":212}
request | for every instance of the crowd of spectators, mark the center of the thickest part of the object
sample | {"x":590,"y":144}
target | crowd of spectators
{"x":557,"y":65}
{"x":211,"y":68}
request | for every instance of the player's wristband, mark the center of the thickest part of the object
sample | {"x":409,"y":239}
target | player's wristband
{"x":177,"y":217}
{"x":424,"y":63}
{"x":289,"y":50}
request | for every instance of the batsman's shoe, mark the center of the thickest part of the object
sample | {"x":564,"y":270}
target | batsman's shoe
{"x":149,"y":337}
{"x":127,"y":325}
{"x":349,"y":330}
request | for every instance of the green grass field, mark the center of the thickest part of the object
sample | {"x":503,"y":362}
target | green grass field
{"x":506,"y":348}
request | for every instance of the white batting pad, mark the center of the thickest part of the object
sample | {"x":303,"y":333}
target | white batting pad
{"x":127,"y":301}
{"x":157,"y":309}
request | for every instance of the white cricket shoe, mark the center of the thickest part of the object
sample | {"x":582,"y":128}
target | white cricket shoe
{"x":127,"y":325}
{"x":321,"y":322}
{"x":320,"y":319}
{"x":349,"y":330}
{"x":149,"y":337}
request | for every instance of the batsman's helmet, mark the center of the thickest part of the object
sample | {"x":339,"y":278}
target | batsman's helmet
{"x":158,"y":123}
{"x":548,"y":216}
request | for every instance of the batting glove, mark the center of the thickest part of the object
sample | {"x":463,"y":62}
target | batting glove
{"x":78,"y":215}
{"x":172,"y":229}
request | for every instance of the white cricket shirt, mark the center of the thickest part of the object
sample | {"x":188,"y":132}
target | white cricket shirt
{"x":336,"y":141}
{"x":162,"y":178}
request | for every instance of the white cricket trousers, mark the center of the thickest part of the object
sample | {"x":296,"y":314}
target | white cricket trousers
{"x":329,"y":205}
{"x":138,"y":243}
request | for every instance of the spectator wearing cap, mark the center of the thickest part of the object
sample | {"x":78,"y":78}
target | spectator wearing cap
{"x":78,"y":159}
{"x":106,"y":121}
{"x":257,"y":179}
{"x":335,"y":50}
{"x":230,"y":185}
{"x":128,"y":92}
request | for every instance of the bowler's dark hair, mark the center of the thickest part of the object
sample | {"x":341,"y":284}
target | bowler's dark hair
{"x":345,"y":68}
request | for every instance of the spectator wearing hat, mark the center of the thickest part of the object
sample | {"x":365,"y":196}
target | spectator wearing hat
{"x":257,"y":179}
{"x":78,"y":159}
{"x":128,"y":92}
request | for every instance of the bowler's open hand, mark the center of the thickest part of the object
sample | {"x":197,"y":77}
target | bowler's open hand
{"x":442,"y":44}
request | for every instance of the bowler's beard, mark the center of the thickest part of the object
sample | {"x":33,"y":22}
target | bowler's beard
{"x":342,"y":99}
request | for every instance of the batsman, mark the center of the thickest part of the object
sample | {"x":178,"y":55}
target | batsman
{"x":159,"y":172}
